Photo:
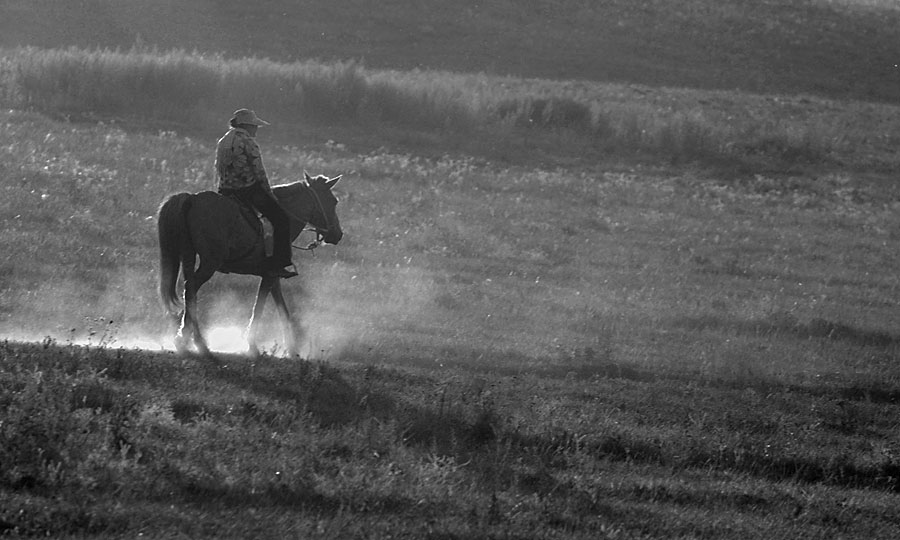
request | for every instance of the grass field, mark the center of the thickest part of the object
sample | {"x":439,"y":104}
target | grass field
{"x":494,"y":351}
{"x":676,"y":320}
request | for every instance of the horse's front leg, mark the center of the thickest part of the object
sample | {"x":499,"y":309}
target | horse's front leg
{"x":291,"y":329}
{"x":265,"y":287}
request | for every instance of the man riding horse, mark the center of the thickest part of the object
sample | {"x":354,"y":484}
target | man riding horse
{"x":240,"y":174}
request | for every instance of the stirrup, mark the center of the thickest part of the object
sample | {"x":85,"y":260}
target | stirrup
{"x":283,"y":272}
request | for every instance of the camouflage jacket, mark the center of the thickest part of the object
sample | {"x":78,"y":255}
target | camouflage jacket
{"x":238,"y":161}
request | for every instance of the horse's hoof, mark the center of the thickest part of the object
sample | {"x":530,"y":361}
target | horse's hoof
{"x":181,"y":346}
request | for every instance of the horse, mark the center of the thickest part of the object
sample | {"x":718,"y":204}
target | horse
{"x":216,"y":229}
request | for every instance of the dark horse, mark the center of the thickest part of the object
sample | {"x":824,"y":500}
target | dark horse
{"x":216,"y":229}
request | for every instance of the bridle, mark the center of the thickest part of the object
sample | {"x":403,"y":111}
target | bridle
{"x":320,"y":233}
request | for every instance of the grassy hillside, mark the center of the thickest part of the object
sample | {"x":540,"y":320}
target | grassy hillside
{"x":835,"y":48}
{"x":99,"y":443}
{"x":561,"y":309}
{"x":494,"y":351}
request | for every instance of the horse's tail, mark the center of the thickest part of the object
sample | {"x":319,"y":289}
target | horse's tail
{"x":173,"y":239}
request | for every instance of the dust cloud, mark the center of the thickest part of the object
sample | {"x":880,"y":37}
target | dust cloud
{"x":117,"y":311}
{"x":347,"y":308}
{"x":337,"y":306}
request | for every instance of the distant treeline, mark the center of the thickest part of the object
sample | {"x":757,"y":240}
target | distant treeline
{"x":180,"y":86}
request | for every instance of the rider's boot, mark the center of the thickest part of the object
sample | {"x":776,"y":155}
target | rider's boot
{"x":280,"y":270}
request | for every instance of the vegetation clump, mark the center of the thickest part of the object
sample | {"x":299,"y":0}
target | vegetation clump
{"x":181,"y":88}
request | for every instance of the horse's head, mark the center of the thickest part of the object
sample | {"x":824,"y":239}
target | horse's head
{"x":324,"y":217}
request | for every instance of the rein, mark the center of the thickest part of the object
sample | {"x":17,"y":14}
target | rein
{"x":320,"y":233}
{"x":312,"y":245}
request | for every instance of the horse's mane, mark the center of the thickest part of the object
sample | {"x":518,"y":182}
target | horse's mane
{"x":291,"y":197}
{"x":290,"y":194}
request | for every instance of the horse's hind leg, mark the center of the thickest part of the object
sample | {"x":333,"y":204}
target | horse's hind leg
{"x":181,"y":341}
{"x":187,"y":325}
{"x":193,"y":280}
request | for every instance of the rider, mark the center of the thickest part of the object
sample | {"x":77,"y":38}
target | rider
{"x":240,"y":173}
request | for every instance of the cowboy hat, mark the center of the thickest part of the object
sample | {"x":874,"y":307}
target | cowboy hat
{"x":247,"y":116}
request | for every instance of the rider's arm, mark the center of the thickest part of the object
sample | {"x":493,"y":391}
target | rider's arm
{"x":255,"y":165}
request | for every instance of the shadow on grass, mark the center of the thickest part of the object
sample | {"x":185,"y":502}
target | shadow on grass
{"x":839,"y":471}
{"x":326,"y":395}
{"x":579,"y":364}
{"x":206,"y":493}
{"x":784,"y":324}
{"x":622,"y":447}
{"x":316,"y":389}
{"x":872,"y":394}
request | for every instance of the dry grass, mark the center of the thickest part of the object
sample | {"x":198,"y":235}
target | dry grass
{"x":561,"y":309}
{"x":495,"y":351}
{"x":481,"y":115}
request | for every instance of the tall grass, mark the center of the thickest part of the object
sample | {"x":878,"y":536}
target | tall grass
{"x":184,"y":87}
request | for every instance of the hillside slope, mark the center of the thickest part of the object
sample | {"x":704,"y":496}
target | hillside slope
{"x":499,"y":351}
{"x":103,"y":443}
{"x":845,"y":48}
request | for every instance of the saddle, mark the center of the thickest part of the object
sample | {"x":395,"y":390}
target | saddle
{"x":257,"y":222}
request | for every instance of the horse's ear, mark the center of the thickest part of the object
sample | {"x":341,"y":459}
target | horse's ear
{"x":333,"y":181}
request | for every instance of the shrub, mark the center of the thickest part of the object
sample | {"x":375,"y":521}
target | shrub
{"x":56,"y":429}
{"x":789,"y":145}
{"x":687,"y":138}
{"x":547,"y":113}
{"x":36,"y":419}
